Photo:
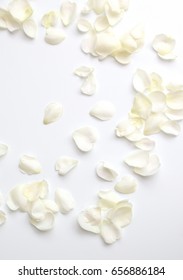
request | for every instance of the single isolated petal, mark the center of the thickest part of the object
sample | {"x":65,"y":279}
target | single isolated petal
{"x":85,"y":138}
{"x":106,"y":171}
{"x":54,"y":35}
{"x":53,"y":112}
{"x":153,"y":122}
{"x":101,"y":23}
{"x":151,"y":168}
{"x":90,"y":219}
{"x":141,"y":81}
{"x":49,"y":19}
{"x":109,"y":232}
{"x":64,"y":200}
{"x":3,"y":149}
{"x":83,"y":71}
{"x":16,"y":199}
{"x":103,"y":110}
{"x":89,"y":85}
{"x":145,"y":144}
{"x":65,"y":164}
{"x":68,"y":12}
{"x":108,"y":199}
{"x":29,"y":165}
{"x":20,"y":10}
{"x":163,"y":44}
{"x":2,"y":217}
{"x":45,"y":224}
{"x":141,"y":106}
{"x":127,"y":184}
{"x":30,"y":28}
{"x":171,"y":127}
{"x":175,"y":100}
{"x":83,"y":25}
{"x":137,"y":158}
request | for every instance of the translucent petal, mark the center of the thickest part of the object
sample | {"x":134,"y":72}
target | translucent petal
{"x":30,"y":28}
{"x":65,"y":164}
{"x":137,"y":158}
{"x":141,"y":106}
{"x":90,"y":219}
{"x":103,"y":110}
{"x":85,"y":138}
{"x":49,"y":19}
{"x":106,"y":171}
{"x":151,"y":168}
{"x":64,"y":200}
{"x":175,"y":100}
{"x":68,"y":12}
{"x":127,"y":184}
{"x":153,"y":122}
{"x":122,"y":57}
{"x":108,"y":199}
{"x":141,"y":81}
{"x":158,"y":101}
{"x":3,"y":149}
{"x":121,"y":214}
{"x":145,"y":144}
{"x":109,"y":232}
{"x":163,"y":44}
{"x":171,"y":127}
{"x":29,"y":165}
{"x":83,"y":25}
{"x":89,"y":85}
{"x":101,"y":23}
{"x":2,"y":217}
{"x":20,"y":10}
{"x":53,"y":112}
{"x":45,"y":224}
{"x":54,"y":35}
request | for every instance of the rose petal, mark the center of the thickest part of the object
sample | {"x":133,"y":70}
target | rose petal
{"x":151,"y":168}
{"x":108,"y":199}
{"x":20,"y":10}
{"x":83,"y":25}
{"x":163,"y":44}
{"x":68,"y":12}
{"x":141,"y":106}
{"x":109,"y":232}
{"x":54,"y":35}
{"x":175,"y":100}
{"x":90,"y":219}
{"x":3,"y":149}
{"x":145,"y":144}
{"x":127,"y":184}
{"x":158,"y":101}
{"x":35,"y":190}
{"x":124,"y":128}
{"x":64,"y":200}
{"x":106,"y":171}
{"x":53,"y":112}
{"x":153,"y":122}
{"x":83,"y":71}
{"x":103,"y":110}
{"x":89,"y":85}
{"x":85,"y":138}
{"x":2,"y":217}
{"x":171,"y":127}
{"x":49,"y":19}
{"x":65,"y":164}
{"x":97,"y":6}
{"x":113,"y":14}
{"x":7,"y":21}
{"x":174,"y":115}
{"x":30,"y":28}
{"x":141,"y":81}
{"x":101,"y":23}
{"x":29,"y":165}
{"x":45,"y":224}
{"x":137,"y":158}
{"x":121,"y":214}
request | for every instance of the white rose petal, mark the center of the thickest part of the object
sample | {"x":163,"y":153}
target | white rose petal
{"x":68,"y":12}
{"x":151,"y":168}
{"x":83,"y":71}
{"x":158,"y":101}
{"x":108,"y":199}
{"x":153,"y":122}
{"x":2,"y":217}
{"x":30,"y":28}
{"x":145,"y":144}
{"x":53,"y":112}
{"x":45,"y":224}
{"x":141,"y":81}
{"x":137,"y":158}
{"x":64,"y":200}
{"x":97,"y":6}
{"x":3,"y":149}
{"x":7,"y":21}
{"x":109,"y":232}
{"x":29,"y":165}
{"x":175,"y":100}
{"x":54,"y":35}
{"x":90,"y":219}
{"x":20,"y":10}
{"x":16,"y":199}
{"x":124,"y":128}
{"x":50,"y":205}
{"x":106,"y":171}
{"x":88,"y":43}
{"x":85,"y":138}
{"x":171,"y":127}
{"x":83,"y":25}
{"x":101,"y":23}
{"x":113,"y":14}
{"x":89,"y":85}
{"x":163,"y":44}
{"x":141,"y":106}
{"x":127,"y":184}
{"x":174,"y":115}
{"x":65,"y":164}
{"x":35,"y":190}
{"x":122,"y":57}
{"x":168,"y":56}
{"x":136,"y":135}
{"x":49,"y":19}
{"x":103,"y":110}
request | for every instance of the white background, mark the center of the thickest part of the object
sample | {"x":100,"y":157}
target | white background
{"x":32,"y":74}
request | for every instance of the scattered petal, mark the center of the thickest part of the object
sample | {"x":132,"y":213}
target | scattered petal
{"x":106,"y":171}
{"x":109,"y":232}
{"x":97,"y":6}
{"x":29,"y":165}
{"x":153,"y":122}
{"x":7,"y":21}
{"x":122,"y":57}
{"x":30,"y":28}
{"x":20,"y":10}
{"x":44,"y":224}
{"x":35,"y":190}
{"x":64,"y":200}
{"x":171,"y":127}
{"x":65,"y":164}
{"x":49,"y":19}
{"x":145,"y":144}
{"x":141,"y":81}
{"x":53,"y":112}
{"x":101,"y":23}
{"x":113,"y":14}
{"x":54,"y":35}
{"x":68,"y":12}
{"x":158,"y":101}
{"x":141,"y":106}
{"x":175,"y":100}
{"x":127,"y":184}
{"x":2,"y":217}
{"x":174,"y":115}
{"x":85,"y":138}
{"x":103,"y":110}
{"x":83,"y":25}
{"x":136,"y":135}
{"x":3,"y":149}
{"x":108,"y":199}
{"x":121,"y":214}
{"x":163,"y":44}
{"x":88,"y":43}
{"x":151,"y":168}
{"x":89,"y":85}
{"x":124,"y":128}
{"x":137,"y":158}
{"x":90,"y":219}
{"x":16,"y":200}
{"x":83,"y":71}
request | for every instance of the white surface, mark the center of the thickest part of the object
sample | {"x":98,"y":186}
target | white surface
{"x":33,"y":74}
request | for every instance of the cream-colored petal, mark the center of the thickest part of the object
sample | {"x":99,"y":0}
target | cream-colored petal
{"x":83,"y":71}
{"x":141,"y":106}
{"x":90,"y":219}
{"x":64,"y":200}
{"x":84,"y":25}
{"x":124,"y":128}
{"x":137,"y":158}
{"x":151,"y":168}
{"x":174,"y":87}
{"x":136,"y":135}
{"x":52,"y":113}
{"x":16,"y":199}
{"x":121,"y":214}
{"x":88,"y":43}
{"x":68,"y":12}
{"x":35,"y":190}
{"x":158,"y":101}
{"x":153,"y":122}
{"x":108,"y":199}
{"x":50,"y":205}
{"x":86,"y":9}
{"x":101,"y":23}
{"x":65,"y":164}
{"x":163,"y":44}
{"x":175,"y":100}
{"x":50,"y":19}
{"x":1,"y":199}
{"x":3,"y":149}
{"x":37,"y":210}
{"x":2,"y":217}
{"x":89,"y":85}
{"x":141,"y":81}
{"x":145,"y":144}
{"x":106,"y":171}
{"x":122,"y":56}
{"x":124,"y":4}
{"x":103,"y":110}
{"x":168,"y":56}
{"x":97,"y":6}
{"x":113,"y":14}
{"x":7,"y":21}
{"x":109,"y":232}
{"x":20,"y":10}
{"x":156,"y":82}
{"x":45,"y":224}
{"x":29,"y":165}
{"x":137,"y":32}
{"x":127,"y":184}
{"x":171,"y":127}
{"x":85,"y":138}
{"x":174,"y":115}
{"x":129,"y":44}
{"x":30,"y":28}
{"x":54,"y":35}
